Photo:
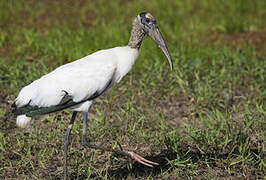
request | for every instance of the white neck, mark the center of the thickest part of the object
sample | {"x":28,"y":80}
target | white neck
{"x":127,"y":56}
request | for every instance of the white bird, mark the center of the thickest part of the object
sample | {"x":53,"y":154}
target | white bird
{"x":75,"y":85}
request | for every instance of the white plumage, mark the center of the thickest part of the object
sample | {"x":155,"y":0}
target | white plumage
{"x":80,"y":79}
{"x":23,"y":121}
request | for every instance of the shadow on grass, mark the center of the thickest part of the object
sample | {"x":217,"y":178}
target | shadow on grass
{"x":139,"y":170}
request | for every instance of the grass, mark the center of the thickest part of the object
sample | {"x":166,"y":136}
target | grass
{"x":205,"y":120}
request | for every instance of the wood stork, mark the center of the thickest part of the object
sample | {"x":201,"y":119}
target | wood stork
{"x":75,"y":85}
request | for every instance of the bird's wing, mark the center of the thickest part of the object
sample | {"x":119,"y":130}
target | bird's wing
{"x":68,"y":85}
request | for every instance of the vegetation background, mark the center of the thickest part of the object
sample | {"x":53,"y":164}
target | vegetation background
{"x":204,"y":120}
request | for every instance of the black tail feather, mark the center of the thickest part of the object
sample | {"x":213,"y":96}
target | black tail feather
{"x":14,"y":105}
{"x":66,"y":102}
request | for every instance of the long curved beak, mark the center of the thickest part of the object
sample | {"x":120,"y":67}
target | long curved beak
{"x":156,"y":35}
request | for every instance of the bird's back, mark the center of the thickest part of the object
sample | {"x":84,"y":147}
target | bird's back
{"x":79,"y":79}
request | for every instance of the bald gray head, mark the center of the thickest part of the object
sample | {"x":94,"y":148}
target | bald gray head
{"x":145,"y":24}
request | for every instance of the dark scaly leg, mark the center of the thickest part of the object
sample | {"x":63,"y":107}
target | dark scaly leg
{"x":130,"y":154}
{"x":84,"y":129}
{"x":66,"y":143}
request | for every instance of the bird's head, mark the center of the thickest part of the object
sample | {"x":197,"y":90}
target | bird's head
{"x":149,"y":26}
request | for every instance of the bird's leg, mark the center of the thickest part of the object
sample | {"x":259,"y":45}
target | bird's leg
{"x":84,"y":129}
{"x":130,"y":154}
{"x":66,"y":143}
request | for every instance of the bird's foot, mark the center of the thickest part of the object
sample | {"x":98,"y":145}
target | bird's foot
{"x":130,"y":154}
{"x":141,"y":160}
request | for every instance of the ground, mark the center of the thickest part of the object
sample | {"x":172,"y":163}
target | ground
{"x":204,"y":120}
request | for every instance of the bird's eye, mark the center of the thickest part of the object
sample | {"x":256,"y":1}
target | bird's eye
{"x":148,"y":21}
